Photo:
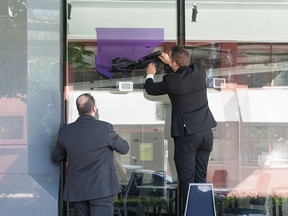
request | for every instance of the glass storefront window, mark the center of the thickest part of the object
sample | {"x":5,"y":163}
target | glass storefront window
{"x":247,"y":87}
{"x":247,"y":91}
{"x":250,"y":136}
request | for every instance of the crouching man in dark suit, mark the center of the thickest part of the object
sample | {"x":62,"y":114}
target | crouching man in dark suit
{"x":192,"y":119}
{"x":91,"y":181}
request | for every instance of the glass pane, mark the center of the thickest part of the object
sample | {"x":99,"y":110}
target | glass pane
{"x":244,"y":139}
{"x":247,"y":92}
{"x":29,"y":101}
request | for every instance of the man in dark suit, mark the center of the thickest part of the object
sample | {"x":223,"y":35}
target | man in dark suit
{"x":192,"y":120}
{"x":91,"y":181}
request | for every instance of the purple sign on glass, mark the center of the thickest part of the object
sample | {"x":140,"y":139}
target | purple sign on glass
{"x":130,"y":43}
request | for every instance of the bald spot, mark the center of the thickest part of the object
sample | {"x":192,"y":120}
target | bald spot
{"x":82,"y":100}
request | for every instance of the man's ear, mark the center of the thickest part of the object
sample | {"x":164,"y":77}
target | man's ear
{"x":94,"y":109}
{"x":174,"y":65}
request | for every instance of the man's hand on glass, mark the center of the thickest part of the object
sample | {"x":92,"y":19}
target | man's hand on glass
{"x":151,"y":69}
{"x":164,"y":57}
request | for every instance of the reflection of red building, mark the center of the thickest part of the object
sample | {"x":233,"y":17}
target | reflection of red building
{"x":13,"y":121}
{"x":263,"y":182}
{"x":13,"y":131}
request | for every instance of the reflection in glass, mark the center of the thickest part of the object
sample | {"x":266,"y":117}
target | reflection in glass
{"x":29,"y":101}
{"x":247,"y":91}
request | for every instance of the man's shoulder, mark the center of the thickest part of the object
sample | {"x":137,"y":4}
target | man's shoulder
{"x":86,"y":119}
{"x":104,"y":123}
{"x":67,"y":126}
{"x":169,"y":76}
{"x":198,"y":66}
{"x":74,"y":126}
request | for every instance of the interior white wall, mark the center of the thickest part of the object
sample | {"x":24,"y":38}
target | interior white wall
{"x":233,"y":23}
{"x":226,"y":106}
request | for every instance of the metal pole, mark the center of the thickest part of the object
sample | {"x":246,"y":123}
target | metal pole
{"x":181,"y":22}
{"x":180,"y":41}
{"x":62,"y":205}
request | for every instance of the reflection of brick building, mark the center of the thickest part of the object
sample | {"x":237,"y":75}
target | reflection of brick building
{"x":13,"y":122}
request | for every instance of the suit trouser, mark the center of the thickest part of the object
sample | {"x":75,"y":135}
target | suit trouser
{"x":96,"y":207}
{"x":191,"y":156}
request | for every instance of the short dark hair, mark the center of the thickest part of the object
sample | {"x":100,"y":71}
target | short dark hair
{"x":180,"y":55}
{"x":85,"y":103}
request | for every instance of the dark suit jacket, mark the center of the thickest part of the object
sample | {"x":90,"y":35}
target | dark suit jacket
{"x":187,"y":91}
{"x":89,"y":145}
